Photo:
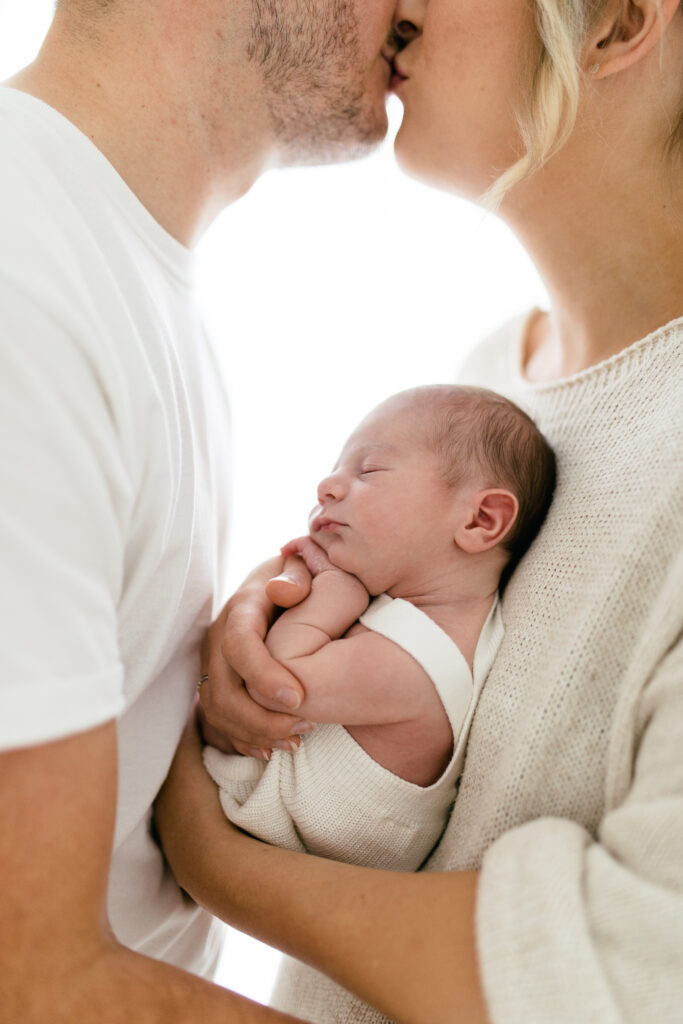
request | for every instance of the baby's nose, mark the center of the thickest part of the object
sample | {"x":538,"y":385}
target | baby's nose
{"x":330,"y":489}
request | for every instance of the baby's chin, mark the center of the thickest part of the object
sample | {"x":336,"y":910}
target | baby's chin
{"x":339,"y":556}
{"x":370,"y":581}
{"x":320,"y":538}
{"x":326,"y":542}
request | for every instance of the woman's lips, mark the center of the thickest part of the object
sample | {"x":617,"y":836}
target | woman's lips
{"x":398,"y":76}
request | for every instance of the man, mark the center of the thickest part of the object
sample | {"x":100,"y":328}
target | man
{"x":134,"y":127}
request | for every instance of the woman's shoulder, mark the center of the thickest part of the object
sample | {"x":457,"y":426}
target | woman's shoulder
{"x":496,"y":362}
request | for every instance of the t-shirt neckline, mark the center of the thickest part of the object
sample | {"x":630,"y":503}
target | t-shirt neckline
{"x":178,"y":258}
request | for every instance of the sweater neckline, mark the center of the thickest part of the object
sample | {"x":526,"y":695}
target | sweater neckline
{"x":602,"y":368}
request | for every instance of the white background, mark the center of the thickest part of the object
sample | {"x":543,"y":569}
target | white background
{"x":325,"y":291}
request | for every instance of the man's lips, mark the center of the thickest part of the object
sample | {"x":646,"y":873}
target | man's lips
{"x":394,"y":74}
{"x":389,"y":65}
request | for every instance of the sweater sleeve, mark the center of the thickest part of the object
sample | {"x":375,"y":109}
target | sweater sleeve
{"x":575,"y":928}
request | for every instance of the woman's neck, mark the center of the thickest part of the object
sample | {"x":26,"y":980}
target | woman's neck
{"x":610,"y":258}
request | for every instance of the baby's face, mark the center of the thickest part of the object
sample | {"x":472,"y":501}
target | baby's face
{"x":385,"y":513}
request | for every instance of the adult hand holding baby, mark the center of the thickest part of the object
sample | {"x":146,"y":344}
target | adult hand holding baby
{"x":237,"y":663}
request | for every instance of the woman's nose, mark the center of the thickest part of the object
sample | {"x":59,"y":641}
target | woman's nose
{"x":408,"y":20}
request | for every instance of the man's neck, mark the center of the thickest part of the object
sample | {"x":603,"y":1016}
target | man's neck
{"x":187,"y":146}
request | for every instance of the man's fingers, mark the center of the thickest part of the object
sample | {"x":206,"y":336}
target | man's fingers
{"x":292,"y":584}
{"x":217,"y":738}
{"x":235,"y":716}
{"x":284,"y":590}
{"x":268,"y":682}
{"x":245,"y":722}
{"x":229,"y":713}
{"x":235,"y":658}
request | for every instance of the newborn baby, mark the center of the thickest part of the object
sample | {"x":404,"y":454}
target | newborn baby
{"x":434,"y":499}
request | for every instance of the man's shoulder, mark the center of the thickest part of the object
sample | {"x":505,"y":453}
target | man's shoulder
{"x":47,"y":244}
{"x":66,"y":213}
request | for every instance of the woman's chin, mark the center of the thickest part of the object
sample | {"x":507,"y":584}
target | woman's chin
{"x":406,"y":153}
{"x":414,"y":161}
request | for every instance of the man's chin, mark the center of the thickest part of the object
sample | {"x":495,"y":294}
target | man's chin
{"x":307,"y":151}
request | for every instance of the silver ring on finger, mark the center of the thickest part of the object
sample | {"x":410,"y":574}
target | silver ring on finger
{"x":201,"y":681}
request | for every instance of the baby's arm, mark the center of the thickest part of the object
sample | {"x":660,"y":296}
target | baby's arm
{"x":351,"y":676}
{"x":335,"y":602}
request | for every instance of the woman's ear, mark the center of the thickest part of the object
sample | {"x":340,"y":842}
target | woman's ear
{"x":489,"y":518}
{"x":628,"y":30}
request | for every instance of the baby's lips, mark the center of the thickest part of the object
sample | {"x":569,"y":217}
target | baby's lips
{"x":321,"y":521}
{"x":312,"y":516}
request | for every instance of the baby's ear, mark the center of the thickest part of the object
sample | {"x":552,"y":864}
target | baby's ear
{"x":488,"y":519}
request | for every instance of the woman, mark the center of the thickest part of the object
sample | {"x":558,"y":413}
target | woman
{"x":556,"y":892}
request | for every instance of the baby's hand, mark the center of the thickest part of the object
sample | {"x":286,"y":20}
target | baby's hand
{"x":314,"y":557}
{"x":285,"y":590}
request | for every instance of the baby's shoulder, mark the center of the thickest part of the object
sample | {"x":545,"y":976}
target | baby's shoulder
{"x":374,"y":646}
{"x":390,"y":672}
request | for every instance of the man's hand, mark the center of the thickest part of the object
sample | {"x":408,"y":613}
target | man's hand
{"x":249,"y":701}
{"x":293,"y":583}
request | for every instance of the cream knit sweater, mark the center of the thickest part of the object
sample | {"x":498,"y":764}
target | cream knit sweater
{"x":571,"y":800}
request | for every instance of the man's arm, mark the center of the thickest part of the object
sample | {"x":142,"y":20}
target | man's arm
{"x":403,"y":942}
{"x":59,"y":961}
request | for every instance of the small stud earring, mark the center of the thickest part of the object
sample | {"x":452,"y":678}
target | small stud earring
{"x":593,"y":68}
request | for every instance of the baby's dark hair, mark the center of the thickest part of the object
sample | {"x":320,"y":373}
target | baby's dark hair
{"x":477,"y":429}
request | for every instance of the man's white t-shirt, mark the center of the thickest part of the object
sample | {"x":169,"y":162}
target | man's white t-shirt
{"x":113,"y":470}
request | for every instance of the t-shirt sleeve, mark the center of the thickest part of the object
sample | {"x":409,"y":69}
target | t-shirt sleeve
{"x":574,"y":927}
{"x":65,"y":497}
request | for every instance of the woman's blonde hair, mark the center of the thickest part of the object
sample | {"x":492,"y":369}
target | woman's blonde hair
{"x":550,"y":114}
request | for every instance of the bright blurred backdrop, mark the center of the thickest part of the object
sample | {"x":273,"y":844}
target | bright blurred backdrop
{"x":325,"y":290}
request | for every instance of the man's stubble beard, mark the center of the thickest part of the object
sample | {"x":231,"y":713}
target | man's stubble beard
{"x":309,"y":55}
